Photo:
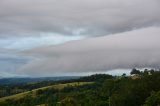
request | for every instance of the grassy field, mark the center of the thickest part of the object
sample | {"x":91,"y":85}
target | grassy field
{"x":33,"y":92}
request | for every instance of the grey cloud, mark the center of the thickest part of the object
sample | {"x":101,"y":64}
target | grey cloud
{"x":10,"y":61}
{"x":71,"y":17}
{"x":137,"y":48}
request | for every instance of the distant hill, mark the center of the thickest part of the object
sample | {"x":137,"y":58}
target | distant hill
{"x":14,"y":81}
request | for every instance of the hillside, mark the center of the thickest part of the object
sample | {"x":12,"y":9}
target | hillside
{"x":33,"y":92}
{"x":94,"y":90}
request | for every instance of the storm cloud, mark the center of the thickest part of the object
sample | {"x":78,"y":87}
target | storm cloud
{"x":60,"y":37}
{"x":137,"y":48}
{"x":76,"y":17}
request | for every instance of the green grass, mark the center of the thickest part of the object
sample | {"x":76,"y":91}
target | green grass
{"x":33,"y":92}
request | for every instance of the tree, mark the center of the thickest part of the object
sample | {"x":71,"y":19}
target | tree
{"x":124,"y":75}
{"x":135,"y":71}
{"x":68,"y":101}
{"x":153,"y":100}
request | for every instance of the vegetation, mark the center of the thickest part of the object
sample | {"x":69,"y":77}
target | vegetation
{"x":33,"y":92}
{"x":107,"y":90}
{"x":153,"y":99}
{"x":135,"y":71}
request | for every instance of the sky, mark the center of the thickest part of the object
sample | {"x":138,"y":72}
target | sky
{"x":78,"y":37}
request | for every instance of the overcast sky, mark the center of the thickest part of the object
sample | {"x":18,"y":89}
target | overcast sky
{"x":64,"y":37}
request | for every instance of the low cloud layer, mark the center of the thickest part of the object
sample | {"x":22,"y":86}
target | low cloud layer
{"x":137,"y":48}
{"x":76,"y":17}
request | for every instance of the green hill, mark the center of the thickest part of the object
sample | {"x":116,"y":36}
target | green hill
{"x":95,"y":90}
{"x":32,"y":92}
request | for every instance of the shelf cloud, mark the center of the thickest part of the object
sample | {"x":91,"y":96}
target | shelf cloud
{"x":59,"y":37}
{"x":138,"y":48}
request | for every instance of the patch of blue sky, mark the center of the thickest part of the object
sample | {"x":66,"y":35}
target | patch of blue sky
{"x":29,"y":42}
{"x":10,"y":62}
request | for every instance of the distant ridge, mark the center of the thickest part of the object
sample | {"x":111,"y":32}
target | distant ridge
{"x":14,"y":81}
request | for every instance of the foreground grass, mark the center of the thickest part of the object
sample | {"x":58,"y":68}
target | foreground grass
{"x":33,"y":92}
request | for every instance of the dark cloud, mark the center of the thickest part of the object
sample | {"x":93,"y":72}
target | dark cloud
{"x":137,"y":48}
{"x":74,"y":17}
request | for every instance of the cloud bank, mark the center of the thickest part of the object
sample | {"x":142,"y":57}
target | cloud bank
{"x":137,"y":48}
{"x":76,"y":17}
{"x":116,"y":34}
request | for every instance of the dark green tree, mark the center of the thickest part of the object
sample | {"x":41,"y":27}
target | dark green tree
{"x":68,"y":101}
{"x":153,"y":100}
{"x":135,"y":71}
